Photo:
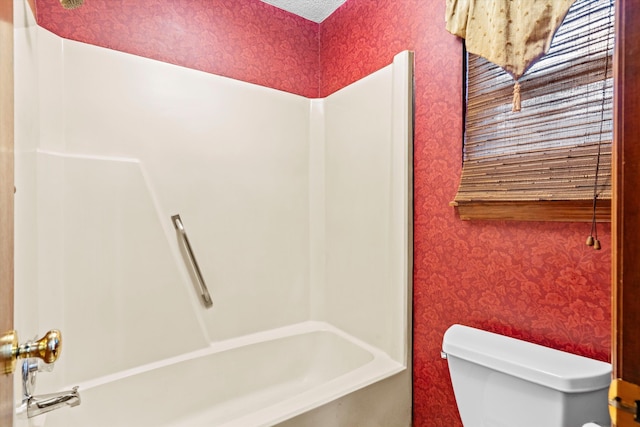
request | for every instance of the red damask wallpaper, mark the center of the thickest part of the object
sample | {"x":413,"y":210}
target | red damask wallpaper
{"x":246,"y":40}
{"x":534,"y":281}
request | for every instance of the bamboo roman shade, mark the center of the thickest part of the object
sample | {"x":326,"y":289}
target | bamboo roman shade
{"x":552,"y":148}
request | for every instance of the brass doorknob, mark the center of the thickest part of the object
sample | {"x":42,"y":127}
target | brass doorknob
{"x":46,"y":348}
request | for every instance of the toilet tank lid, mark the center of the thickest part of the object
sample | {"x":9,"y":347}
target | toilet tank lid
{"x":552,"y":368}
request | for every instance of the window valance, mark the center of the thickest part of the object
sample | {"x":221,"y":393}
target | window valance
{"x":510,"y":33}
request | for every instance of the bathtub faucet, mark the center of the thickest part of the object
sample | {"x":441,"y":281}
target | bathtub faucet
{"x":38,"y":405}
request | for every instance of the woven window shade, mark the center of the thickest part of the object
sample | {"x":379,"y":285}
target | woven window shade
{"x":549,"y":150}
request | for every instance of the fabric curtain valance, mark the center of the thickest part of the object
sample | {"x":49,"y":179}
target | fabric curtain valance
{"x":510,"y":33}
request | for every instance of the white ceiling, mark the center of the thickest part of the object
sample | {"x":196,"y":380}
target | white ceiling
{"x":313,"y":10}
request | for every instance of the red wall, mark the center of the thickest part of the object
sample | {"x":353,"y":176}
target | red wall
{"x":244,"y":39}
{"x":535,"y":281}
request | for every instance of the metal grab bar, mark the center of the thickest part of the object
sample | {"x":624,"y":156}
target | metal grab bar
{"x":204,"y":292}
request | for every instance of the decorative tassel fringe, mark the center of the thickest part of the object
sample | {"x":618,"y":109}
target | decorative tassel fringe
{"x":516,"y":97}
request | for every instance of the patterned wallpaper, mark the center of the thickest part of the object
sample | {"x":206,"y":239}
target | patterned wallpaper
{"x":246,"y":40}
{"x":534,"y":281}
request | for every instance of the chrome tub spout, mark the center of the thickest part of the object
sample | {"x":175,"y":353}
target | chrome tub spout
{"x":38,"y":405}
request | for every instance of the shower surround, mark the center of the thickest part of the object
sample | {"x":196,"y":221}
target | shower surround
{"x":298,"y":211}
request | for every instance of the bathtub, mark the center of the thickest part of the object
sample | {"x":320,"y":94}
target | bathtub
{"x":256,"y":380}
{"x":296,"y":209}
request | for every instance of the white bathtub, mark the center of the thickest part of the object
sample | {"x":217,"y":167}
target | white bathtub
{"x":296,"y":209}
{"x":251,"y":381}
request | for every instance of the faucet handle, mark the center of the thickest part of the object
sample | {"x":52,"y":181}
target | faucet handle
{"x":44,"y":366}
{"x":47,"y":348}
{"x":30,"y":368}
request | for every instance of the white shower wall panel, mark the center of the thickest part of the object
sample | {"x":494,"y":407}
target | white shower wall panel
{"x":48,"y":50}
{"x":118,"y":267}
{"x":359,"y":289}
{"x":287,"y":202}
{"x":128,"y":142}
{"x":27,"y":132}
{"x":230,"y":157}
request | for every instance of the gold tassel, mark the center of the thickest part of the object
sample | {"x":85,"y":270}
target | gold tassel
{"x":516,"y":97}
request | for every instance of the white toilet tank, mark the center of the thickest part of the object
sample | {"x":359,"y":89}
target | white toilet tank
{"x":504,"y":382}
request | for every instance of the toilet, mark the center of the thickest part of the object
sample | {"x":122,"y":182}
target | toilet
{"x":504,"y":382}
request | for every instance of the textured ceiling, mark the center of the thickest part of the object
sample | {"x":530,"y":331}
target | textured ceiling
{"x":313,"y":10}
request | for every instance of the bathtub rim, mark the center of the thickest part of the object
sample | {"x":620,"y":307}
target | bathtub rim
{"x":379,"y":357}
{"x":378,"y":368}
